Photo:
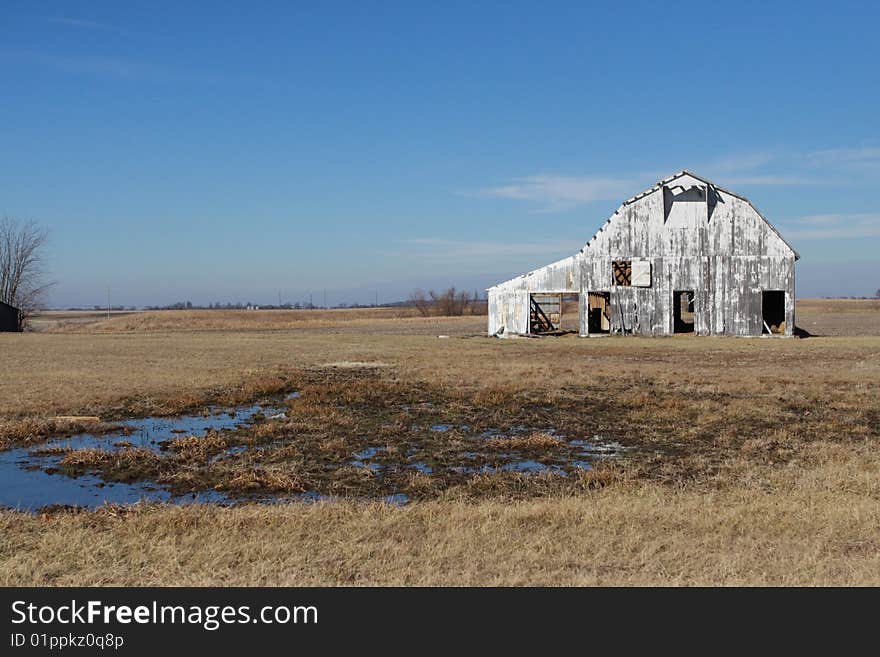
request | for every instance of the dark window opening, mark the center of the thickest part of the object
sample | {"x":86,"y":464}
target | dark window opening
{"x":683,"y":311}
{"x":599,"y":312}
{"x":621,"y":272}
{"x":773,"y":312}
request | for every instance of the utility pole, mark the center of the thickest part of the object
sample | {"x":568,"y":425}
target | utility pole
{"x":377,"y":299}
{"x":325,"y":298}
{"x":108,"y":302}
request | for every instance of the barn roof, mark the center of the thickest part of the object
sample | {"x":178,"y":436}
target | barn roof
{"x":658,"y":186}
{"x":684,"y":172}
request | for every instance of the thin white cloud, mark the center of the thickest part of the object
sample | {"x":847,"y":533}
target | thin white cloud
{"x":739,"y":162}
{"x":446,"y":250}
{"x":833,"y":226}
{"x":841,"y":167}
{"x":103,"y":66}
{"x":115,"y":67}
{"x":799,"y":168}
{"x":757,"y":168}
{"x":555,"y":193}
{"x":84,"y":24}
{"x":859,"y":157}
{"x":88,"y":64}
{"x":771,"y":179}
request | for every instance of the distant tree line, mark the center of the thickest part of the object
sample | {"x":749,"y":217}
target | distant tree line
{"x":876,"y":296}
{"x":297,"y":305}
{"x":448,"y":303}
{"x":189,"y":305}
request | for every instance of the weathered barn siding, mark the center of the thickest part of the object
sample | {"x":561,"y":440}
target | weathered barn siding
{"x":10,"y":318}
{"x":509,"y":302}
{"x":693,"y":236}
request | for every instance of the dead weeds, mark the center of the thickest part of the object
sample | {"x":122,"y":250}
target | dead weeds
{"x":365,"y":434}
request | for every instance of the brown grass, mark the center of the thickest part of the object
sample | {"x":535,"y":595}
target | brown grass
{"x":756,"y":461}
{"x":26,"y":431}
{"x":839,"y":316}
{"x":262,"y":481}
{"x":198,"y":448}
{"x":130,"y":464}
{"x":233,"y":320}
{"x":781,"y":528}
{"x":536,"y":441}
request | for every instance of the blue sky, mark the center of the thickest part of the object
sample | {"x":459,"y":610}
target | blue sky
{"x":229,"y":151}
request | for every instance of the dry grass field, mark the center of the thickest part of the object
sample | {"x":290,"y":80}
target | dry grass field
{"x":749,"y":461}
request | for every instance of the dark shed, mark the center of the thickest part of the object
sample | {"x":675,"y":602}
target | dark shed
{"x":10,"y":318}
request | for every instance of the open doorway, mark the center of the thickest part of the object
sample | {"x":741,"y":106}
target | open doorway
{"x":683,"y":311}
{"x":773,"y":312}
{"x":553,"y":312}
{"x":544,"y":312}
{"x":598,"y":312}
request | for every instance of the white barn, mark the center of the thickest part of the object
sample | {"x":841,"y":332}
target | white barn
{"x":683,"y":256}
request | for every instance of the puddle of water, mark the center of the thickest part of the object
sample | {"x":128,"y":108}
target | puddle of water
{"x":442,"y":428}
{"x":361,"y":458}
{"x":293,"y":395}
{"x":530,"y":466}
{"x":152,"y":432}
{"x":515,"y":430}
{"x":313,"y":496}
{"x":33,"y":488}
{"x":599,"y":447}
{"x":523,"y":466}
{"x":229,"y":451}
{"x":28,"y":478}
{"x":375,"y":467}
{"x":418,"y":405}
{"x":368,"y":453}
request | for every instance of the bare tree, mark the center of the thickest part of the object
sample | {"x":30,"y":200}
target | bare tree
{"x":22,"y":266}
{"x":450,"y":303}
{"x":478,"y":305}
{"x":418,"y":299}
